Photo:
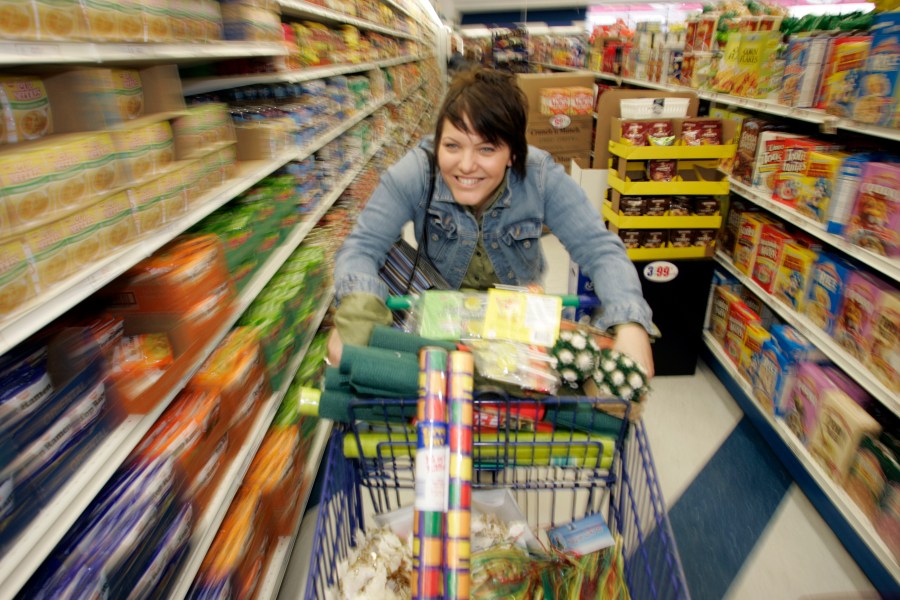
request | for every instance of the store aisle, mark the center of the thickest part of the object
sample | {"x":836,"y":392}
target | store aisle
{"x":744,"y":529}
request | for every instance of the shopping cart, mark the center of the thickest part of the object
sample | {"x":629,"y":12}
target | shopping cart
{"x":585,"y":462}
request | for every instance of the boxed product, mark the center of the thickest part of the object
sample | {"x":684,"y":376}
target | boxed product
{"x":846,"y":190}
{"x":722,"y":299}
{"x":748,"y":236}
{"x":567,"y":130}
{"x":726,"y":164}
{"x":873,"y":467}
{"x":875,"y":221}
{"x":816,"y":187}
{"x":846,"y":57}
{"x":885,"y":348}
{"x":879,"y":83}
{"x":842,"y":426}
{"x":826,"y":291}
{"x":749,"y":148}
{"x":804,"y":61}
{"x":756,"y":336}
{"x":778,"y":361}
{"x":739,"y":320}
{"x":801,"y":409}
{"x":794,"y":274}
{"x":769,"y":252}
{"x":854,"y":328}
{"x":795,"y":168}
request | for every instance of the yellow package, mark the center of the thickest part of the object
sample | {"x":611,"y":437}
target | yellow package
{"x":118,"y":226}
{"x":162,"y":147}
{"x":82,"y":231}
{"x":126,"y":88}
{"x":522,"y":317}
{"x":173,"y":196}
{"x":25,"y":189}
{"x":18,"y":20}
{"x":815,"y":188}
{"x":25,"y":109}
{"x":793,"y":277}
{"x":157,"y":21}
{"x":555,"y":101}
{"x":17,"y":277}
{"x":48,"y":248}
{"x":146,"y":199}
{"x":67,"y":181}
{"x":102,"y":165}
{"x":59,"y":20}
{"x":135,"y":150}
{"x":753,"y":341}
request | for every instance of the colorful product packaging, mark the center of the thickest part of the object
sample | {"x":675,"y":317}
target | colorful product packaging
{"x":769,"y":159}
{"x":879,"y":84}
{"x":842,"y":426}
{"x":873,"y":468}
{"x":846,"y":58}
{"x":803,"y":66}
{"x":816,"y":187}
{"x":803,"y":403}
{"x":769,"y":252}
{"x":853,"y":329}
{"x":884,"y":354}
{"x":756,"y":336}
{"x":739,"y":319}
{"x":794,"y":274}
{"x":875,"y":222}
{"x":826,"y":291}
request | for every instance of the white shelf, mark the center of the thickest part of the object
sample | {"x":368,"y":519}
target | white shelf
{"x":828,"y":123}
{"x":281,"y":556}
{"x":50,"y":525}
{"x":298,"y":8}
{"x":889,"y":267}
{"x":202,"y":85}
{"x":68,"y":293}
{"x":834,"y":492}
{"x":840,"y":357}
{"x":31,"y":53}
{"x":208,"y":526}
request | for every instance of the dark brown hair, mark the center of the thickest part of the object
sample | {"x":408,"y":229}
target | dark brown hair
{"x":495,"y":106}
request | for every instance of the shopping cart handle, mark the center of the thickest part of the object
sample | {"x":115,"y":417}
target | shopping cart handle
{"x":582,"y":300}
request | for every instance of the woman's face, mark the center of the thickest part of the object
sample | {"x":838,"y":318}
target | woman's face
{"x":471,"y":167}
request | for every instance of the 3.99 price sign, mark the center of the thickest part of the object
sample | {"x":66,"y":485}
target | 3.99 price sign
{"x":660,"y":271}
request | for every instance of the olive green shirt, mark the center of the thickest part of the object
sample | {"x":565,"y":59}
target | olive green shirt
{"x":359,"y":312}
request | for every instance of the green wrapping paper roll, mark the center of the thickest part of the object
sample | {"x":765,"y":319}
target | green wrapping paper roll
{"x":457,"y":542}
{"x":380,"y":373}
{"x":431,"y":472}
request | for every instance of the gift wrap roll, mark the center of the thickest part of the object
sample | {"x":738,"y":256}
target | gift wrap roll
{"x":457,"y":542}
{"x":431,"y":473}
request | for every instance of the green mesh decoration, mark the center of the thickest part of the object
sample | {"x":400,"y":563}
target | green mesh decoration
{"x":577,"y":356}
{"x":619,"y":376}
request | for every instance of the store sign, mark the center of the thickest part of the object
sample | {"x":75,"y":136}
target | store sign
{"x":660,"y":271}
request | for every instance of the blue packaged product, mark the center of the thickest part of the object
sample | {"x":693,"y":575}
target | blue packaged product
{"x":23,"y":392}
{"x":879,"y":84}
{"x":826,"y":291}
{"x":843,"y":198}
{"x":770,"y":378}
{"x":165,"y":556}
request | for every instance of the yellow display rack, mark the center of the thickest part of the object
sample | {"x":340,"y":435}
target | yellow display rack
{"x":679,"y":187}
{"x":668,"y":253}
{"x":677,"y":152}
{"x":664,"y":222}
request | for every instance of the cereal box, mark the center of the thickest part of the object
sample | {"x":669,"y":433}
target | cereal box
{"x":740,"y":317}
{"x":803,"y":65}
{"x":846,"y":189}
{"x":795,"y":166}
{"x":769,"y":159}
{"x":718,"y":318}
{"x":769,"y":251}
{"x":853,"y":329}
{"x":802,"y":405}
{"x":754,"y":67}
{"x":876,"y":100}
{"x":842,"y":425}
{"x":885,"y":351}
{"x":748,"y":234}
{"x":750,"y":352}
{"x":792,"y":280}
{"x":875,"y":223}
{"x":726,"y":164}
{"x":816,"y":187}
{"x":748,"y":149}
{"x":846,"y":58}
{"x":826,"y":291}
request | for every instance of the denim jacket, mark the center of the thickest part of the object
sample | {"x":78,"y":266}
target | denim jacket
{"x":511,"y":229}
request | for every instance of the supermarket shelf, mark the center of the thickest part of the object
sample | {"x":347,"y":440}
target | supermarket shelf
{"x":669,"y":222}
{"x":828,"y":123}
{"x":882,"y":264}
{"x":31,"y":53}
{"x":50,"y":525}
{"x":48,"y":306}
{"x":848,"y":522}
{"x":202,"y":85}
{"x":627,"y":187}
{"x":208,"y":525}
{"x":281,"y":556}
{"x":677,"y":152}
{"x":840,"y":357}
{"x":668,"y":253}
{"x":43,"y":309}
{"x":298,"y":8}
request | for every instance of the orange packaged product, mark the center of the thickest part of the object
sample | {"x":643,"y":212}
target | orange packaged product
{"x":275,"y":472}
{"x":555,"y":101}
{"x":233,"y":543}
{"x":740,"y":317}
{"x":747,"y":239}
{"x":179,"y":276}
{"x":769,"y":253}
{"x":138,"y":362}
{"x":204,"y":484}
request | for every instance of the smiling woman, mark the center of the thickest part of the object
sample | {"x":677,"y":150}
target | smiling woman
{"x":479,"y":197}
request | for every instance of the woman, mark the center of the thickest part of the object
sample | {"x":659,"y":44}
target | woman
{"x":492,"y":195}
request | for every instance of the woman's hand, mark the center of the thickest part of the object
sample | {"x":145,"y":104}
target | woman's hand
{"x":632,"y":340}
{"x":335,"y":348}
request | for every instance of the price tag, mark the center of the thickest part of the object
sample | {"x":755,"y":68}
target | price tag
{"x":660,"y":271}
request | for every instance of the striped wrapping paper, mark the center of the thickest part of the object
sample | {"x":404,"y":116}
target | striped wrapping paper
{"x":457,"y":542}
{"x":431,"y":473}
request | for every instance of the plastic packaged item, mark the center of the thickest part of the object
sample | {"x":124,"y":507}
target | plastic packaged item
{"x":526,"y":367}
{"x":25,"y":109}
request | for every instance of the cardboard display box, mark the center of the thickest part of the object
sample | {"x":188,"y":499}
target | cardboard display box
{"x":570,"y":131}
